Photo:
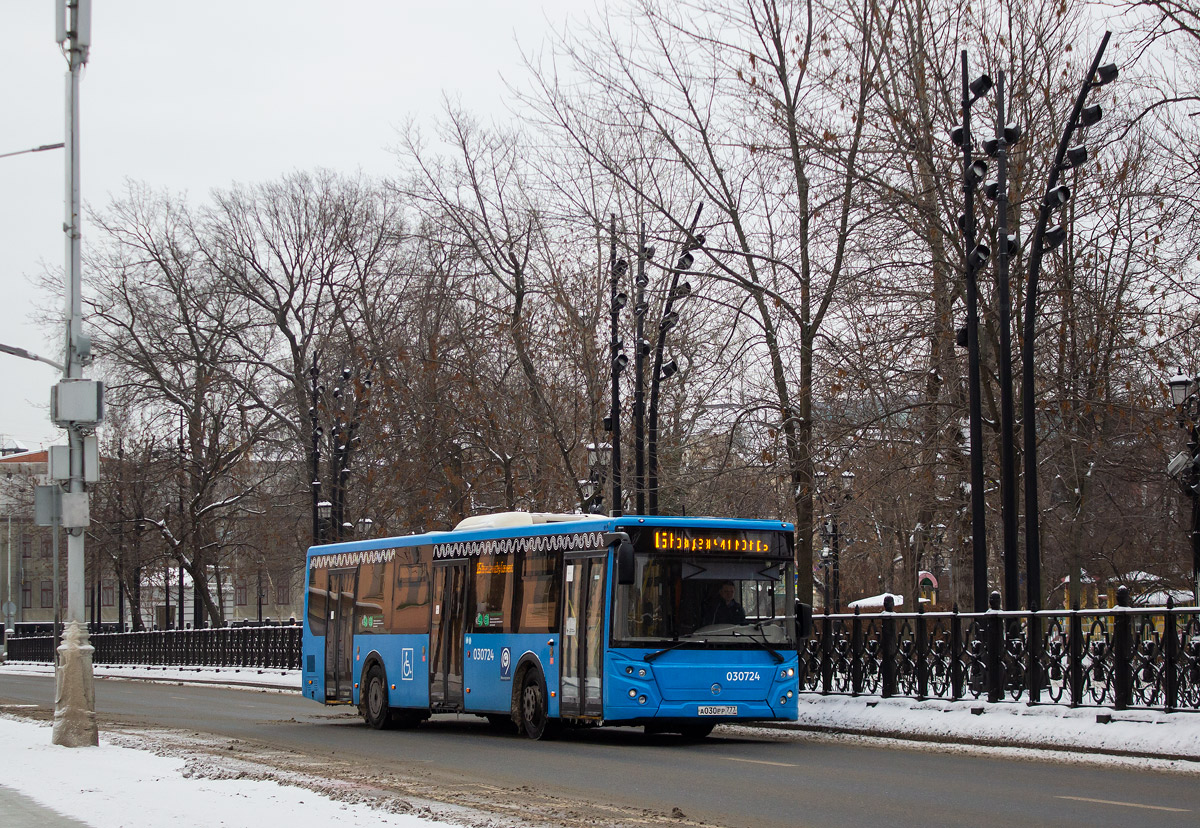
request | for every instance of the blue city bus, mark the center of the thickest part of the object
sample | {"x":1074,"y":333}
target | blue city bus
{"x":532,"y":620}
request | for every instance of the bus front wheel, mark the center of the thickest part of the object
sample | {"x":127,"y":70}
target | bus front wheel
{"x":375,"y":699}
{"x":535,"y":719}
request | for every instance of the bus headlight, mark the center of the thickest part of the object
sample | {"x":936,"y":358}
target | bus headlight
{"x":641,"y":699}
{"x":632,"y":692}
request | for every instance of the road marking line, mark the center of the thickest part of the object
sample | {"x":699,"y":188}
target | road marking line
{"x":1126,"y":804}
{"x":761,"y":762}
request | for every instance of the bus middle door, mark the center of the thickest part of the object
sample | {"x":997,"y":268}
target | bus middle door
{"x":339,"y":636}
{"x":583,"y":636}
{"x":446,"y":633}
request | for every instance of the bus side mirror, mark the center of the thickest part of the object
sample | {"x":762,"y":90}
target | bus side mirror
{"x":804,"y":620}
{"x":625,"y":568}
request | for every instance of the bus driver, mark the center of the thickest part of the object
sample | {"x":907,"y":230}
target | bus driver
{"x":726,"y":609}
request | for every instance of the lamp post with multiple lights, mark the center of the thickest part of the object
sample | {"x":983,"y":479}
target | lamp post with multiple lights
{"x":973,"y":174}
{"x":1185,"y":467}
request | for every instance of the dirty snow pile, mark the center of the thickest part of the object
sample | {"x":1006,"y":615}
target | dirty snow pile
{"x":113,"y":786}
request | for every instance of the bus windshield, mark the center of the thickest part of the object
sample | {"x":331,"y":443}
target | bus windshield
{"x":706,"y":601}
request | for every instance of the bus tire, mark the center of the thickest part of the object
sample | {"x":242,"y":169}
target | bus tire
{"x":374,"y":701}
{"x":532,"y":704}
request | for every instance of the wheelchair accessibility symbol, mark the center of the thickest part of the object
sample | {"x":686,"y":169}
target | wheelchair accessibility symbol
{"x":506,"y":663}
{"x":406,"y":664}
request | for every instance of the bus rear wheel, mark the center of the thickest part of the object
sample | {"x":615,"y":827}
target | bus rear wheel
{"x":535,"y":720}
{"x":374,"y":701}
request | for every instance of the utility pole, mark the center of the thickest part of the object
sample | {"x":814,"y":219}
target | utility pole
{"x":78,"y":406}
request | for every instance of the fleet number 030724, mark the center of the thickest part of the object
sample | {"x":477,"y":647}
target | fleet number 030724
{"x":742,"y":675}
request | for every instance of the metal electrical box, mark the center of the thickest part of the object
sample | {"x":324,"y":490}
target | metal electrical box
{"x":60,"y":461}
{"x":77,"y":401}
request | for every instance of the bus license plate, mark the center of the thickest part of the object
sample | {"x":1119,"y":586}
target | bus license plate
{"x":717,"y":710}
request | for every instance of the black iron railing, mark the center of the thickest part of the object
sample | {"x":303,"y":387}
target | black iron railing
{"x":274,"y":646}
{"x":1121,"y":657}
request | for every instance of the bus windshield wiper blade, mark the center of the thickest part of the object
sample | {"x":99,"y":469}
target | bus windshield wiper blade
{"x":676,"y":645}
{"x":778,"y":658}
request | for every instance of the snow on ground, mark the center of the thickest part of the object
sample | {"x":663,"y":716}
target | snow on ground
{"x":1131,"y":733}
{"x":113,"y":786}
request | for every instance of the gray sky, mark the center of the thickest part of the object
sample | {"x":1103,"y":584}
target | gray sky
{"x":196,"y":96}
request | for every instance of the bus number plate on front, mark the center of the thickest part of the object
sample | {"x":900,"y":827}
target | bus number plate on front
{"x":717,"y":710}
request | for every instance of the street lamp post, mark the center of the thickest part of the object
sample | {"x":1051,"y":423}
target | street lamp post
{"x":833,"y":530}
{"x":351,"y":396}
{"x":1045,"y":238}
{"x":1007,"y":135}
{"x":977,"y":255}
{"x":641,"y":349}
{"x":618,"y":361}
{"x":1185,"y":394}
{"x":659,"y":371}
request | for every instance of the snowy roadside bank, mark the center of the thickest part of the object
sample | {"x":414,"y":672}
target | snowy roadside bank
{"x":139,"y":788}
{"x":1090,"y":730}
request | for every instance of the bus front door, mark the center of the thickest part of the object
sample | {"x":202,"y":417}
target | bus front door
{"x":339,"y":636}
{"x":583,"y":636}
{"x":446,"y":635}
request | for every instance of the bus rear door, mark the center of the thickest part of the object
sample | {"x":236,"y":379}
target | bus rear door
{"x":583,"y":636}
{"x":446,"y":635}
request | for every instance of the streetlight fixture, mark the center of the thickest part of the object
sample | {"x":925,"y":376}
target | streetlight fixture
{"x":323,"y":511}
{"x":599,"y":457}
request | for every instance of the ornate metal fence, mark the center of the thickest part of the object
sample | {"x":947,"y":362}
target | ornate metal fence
{"x":1121,"y":657}
{"x":276,"y":646}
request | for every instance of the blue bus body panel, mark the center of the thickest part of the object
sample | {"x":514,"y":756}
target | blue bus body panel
{"x":312,"y":664}
{"x":406,"y":666}
{"x":677,"y":684}
{"x":491,"y":661}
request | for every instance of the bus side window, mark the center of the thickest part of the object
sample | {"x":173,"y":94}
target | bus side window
{"x":372,"y":598}
{"x":540,"y":575}
{"x":410,"y":605}
{"x":318,"y":591}
{"x":493,"y":593}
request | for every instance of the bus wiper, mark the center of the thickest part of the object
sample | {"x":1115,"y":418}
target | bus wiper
{"x":675,"y":646}
{"x":778,"y":658}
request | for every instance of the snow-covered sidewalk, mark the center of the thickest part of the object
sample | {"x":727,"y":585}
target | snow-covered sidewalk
{"x":1087,"y":730}
{"x":113,"y":786}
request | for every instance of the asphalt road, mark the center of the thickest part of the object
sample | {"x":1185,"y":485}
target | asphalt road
{"x":605,"y":776}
